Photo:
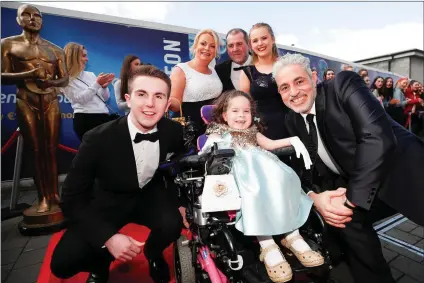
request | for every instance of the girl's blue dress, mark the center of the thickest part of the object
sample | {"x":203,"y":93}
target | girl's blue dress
{"x":273,"y":201}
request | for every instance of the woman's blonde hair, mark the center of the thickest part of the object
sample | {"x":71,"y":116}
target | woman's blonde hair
{"x":73,"y":53}
{"x":275,"y":54}
{"x":399,"y":81}
{"x":196,"y":41}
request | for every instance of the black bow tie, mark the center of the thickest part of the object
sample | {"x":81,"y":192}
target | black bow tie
{"x":146,"y":137}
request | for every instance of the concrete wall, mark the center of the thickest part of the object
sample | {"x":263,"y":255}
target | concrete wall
{"x":384,"y":65}
{"x":401,"y":66}
{"x":412,"y":67}
{"x":417,"y":68}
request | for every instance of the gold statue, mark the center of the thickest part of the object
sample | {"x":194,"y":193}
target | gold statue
{"x":37,"y":67}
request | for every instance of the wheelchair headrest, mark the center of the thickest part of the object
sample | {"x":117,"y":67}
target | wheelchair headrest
{"x":201,"y":140}
{"x":206,"y":113}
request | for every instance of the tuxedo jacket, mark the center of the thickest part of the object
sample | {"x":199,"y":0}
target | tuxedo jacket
{"x":224,"y":73}
{"x":102,"y":184}
{"x":376,"y":155}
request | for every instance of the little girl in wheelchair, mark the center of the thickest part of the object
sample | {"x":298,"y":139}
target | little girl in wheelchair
{"x":272,"y":200}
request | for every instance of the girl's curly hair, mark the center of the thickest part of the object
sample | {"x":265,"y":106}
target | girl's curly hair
{"x":222,"y":102}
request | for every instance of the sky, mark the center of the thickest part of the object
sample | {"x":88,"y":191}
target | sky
{"x":345,"y":30}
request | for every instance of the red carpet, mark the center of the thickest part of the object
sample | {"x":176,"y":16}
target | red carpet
{"x":136,"y":271}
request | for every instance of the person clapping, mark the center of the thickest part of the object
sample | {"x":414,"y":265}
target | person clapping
{"x":86,"y":92}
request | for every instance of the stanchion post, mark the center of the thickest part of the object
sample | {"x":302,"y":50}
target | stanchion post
{"x":15,"y":209}
{"x":17,"y":173}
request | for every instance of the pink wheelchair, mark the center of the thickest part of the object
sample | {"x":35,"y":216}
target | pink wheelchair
{"x":213,"y":250}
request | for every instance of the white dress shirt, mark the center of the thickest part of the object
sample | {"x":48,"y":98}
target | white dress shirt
{"x":322,"y":151}
{"x":86,"y":95}
{"x":146,"y":155}
{"x":235,"y":75}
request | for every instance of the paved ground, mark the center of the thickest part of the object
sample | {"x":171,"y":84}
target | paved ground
{"x":402,"y":241}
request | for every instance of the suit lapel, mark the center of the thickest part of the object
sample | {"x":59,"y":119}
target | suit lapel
{"x":320,"y":114}
{"x":230,"y":82}
{"x":163,"y":140}
{"x":229,"y":68}
{"x":320,"y":108}
{"x":301,"y":127}
{"x":124,"y":150}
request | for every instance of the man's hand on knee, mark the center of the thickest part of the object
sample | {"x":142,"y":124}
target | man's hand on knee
{"x":123,"y":248}
{"x":328,"y":203}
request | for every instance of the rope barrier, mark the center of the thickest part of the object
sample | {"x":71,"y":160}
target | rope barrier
{"x":10,"y":142}
{"x":15,"y":135}
{"x":68,"y":149}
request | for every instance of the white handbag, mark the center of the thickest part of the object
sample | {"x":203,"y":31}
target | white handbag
{"x":220,"y":193}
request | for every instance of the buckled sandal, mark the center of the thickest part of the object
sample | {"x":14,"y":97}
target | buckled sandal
{"x":280,"y":272}
{"x":309,"y":258}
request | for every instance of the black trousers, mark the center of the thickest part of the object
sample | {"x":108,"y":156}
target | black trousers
{"x":73,"y":254}
{"x":359,"y":241}
{"x":83,"y":122}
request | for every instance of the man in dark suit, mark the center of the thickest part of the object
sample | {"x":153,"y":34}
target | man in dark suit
{"x":238,"y":50}
{"x":356,"y":148}
{"x":122,"y":158}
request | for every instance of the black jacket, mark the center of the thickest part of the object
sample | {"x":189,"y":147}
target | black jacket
{"x":374,"y":153}
{"x":224,"y":73}
{"x":106,"y":158}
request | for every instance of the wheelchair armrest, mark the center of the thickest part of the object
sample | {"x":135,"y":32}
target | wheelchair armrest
{"x":196,"y":160}
{"x":283,"y":151}
{"x":320,"y":219}
{"x":193,"y":160}
{"x":318,"y":215}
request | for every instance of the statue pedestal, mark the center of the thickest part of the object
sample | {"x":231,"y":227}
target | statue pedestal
{"x":35,"y":223}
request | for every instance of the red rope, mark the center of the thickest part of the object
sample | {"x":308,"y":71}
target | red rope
{"x":68,"y":149}
{"x":14,"y":137}
{"x":10,"y":142}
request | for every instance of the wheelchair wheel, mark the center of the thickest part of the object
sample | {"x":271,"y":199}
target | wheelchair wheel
{"x":183,"y":267}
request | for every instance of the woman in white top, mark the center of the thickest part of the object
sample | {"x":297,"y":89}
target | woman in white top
{"x":121,"y":86}
{"x":195,"y":83}
{"x":86,"y":92}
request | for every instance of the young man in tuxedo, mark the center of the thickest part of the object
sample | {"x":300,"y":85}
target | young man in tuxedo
{"x":238,"y":50}
{"x":122,"y":158}
{"x":362,"y":160}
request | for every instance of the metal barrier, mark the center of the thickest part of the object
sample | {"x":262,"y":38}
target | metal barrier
{"x":14,"y":208}
{"x":17,"y":173}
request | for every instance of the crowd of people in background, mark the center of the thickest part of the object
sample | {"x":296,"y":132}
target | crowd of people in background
{"x":403,"y":100}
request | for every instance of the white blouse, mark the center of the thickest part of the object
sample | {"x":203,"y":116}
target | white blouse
{"x":86,"y":95}
{"x":199,"y":86}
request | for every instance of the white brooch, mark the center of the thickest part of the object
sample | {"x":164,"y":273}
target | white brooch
{"x":220,"y":189}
